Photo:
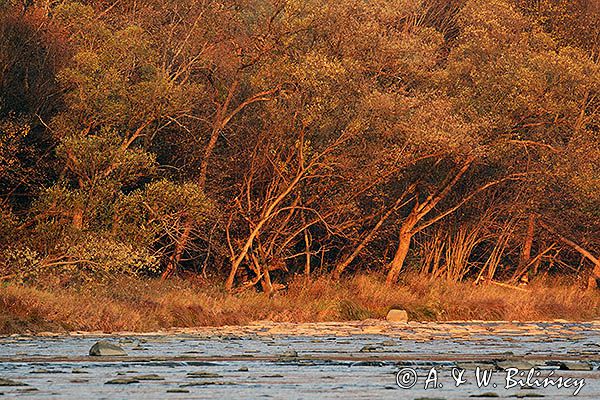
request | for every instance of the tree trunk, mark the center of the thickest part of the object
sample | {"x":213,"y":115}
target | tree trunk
{"x":419,"y":211}
{"x":267,"y":214}
{"x":307,"y":252}
{"x":266,"y":284}
{"x":207,"y":153}
{"x":222,"y":118}
{"x":405,"y":235}
{"x":78,"y":218}
{"x":339,"y":269}
{"x":179,"y":248}
{"x":525,"y":258}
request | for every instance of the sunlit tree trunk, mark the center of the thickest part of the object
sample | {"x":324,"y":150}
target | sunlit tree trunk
{"x":222,"y":118}
{"x":525,"y":258}
{"x":267,"y":214}
{"x":404,"y":238}
{"x":340,"y":267}
{"x":78,"y":218}
{"x":307,"y":252}
{"x":409,"y":225}
{"x":526,"y":253}
{"x":179,"y":249}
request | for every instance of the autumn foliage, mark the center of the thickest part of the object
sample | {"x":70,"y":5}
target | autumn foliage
{"x":254,"y":140}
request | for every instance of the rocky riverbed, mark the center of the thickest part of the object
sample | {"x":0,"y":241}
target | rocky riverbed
{"x":322,"y":360}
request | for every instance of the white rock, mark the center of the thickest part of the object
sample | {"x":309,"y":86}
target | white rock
{"x":397,"y":316}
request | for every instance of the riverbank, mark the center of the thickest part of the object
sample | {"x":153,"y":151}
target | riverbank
{"x":149,"y":305}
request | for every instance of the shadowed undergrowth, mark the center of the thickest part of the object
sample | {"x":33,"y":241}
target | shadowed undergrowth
{"x":147,"y":305}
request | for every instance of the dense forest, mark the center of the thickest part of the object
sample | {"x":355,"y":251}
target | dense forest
{"x":254,"y":140}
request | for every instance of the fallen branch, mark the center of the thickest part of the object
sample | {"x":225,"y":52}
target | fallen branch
{"x":506,"y":285}
{"x":596,"y":271}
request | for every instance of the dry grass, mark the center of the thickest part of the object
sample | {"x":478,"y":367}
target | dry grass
{"x":137,"y":305}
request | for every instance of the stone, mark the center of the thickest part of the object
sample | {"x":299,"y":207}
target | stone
{"x":473,"y":365}
{"x":430,"y":398}
{"x":395,"y":315}
{"x":40,"y":371}
{"x":289,"y":354}
{"x":121,"y":381}
{"x":207,"y":383}
{"x":203,"y":374}
{"x":518,"y":364}
{"x":178,"y":391}
{"x":575,"y":366}
{"x":370,"y":348}
{"x":79,"y":371}
{"x":106,"y":348}
{"x":10,"y":382}
{"x":486,"y":394}
{"x":149,"y":377}
{"x":368,"y":364}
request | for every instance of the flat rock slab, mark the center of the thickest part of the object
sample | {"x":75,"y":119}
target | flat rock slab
{"x":203,"y":374}
{"x":518,"y":364}
{"x":122,"y":381}
{"x":148,"y":377}
{"x":10,"y":382}
{"x":575,"y":366}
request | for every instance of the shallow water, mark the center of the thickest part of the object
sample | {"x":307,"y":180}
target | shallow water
{"x":353,"y":360}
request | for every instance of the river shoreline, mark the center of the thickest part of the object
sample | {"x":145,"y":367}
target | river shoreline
{"x":415,"y":330}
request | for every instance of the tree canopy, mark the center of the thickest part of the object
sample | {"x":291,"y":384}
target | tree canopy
{"x":257,"y":139}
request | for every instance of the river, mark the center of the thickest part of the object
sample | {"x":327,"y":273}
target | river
{"x":353,"y":360}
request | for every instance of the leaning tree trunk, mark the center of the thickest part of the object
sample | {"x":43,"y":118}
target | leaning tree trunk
{"x":339,"y":268}
{"x":267,"y":214}
{"x":404,"y":238}
{"x":419,"y":211}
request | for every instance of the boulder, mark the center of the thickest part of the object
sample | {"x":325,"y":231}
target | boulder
{"x":289,"y":354}
{"x":395,"y":315}
{"x":105,"y":348}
